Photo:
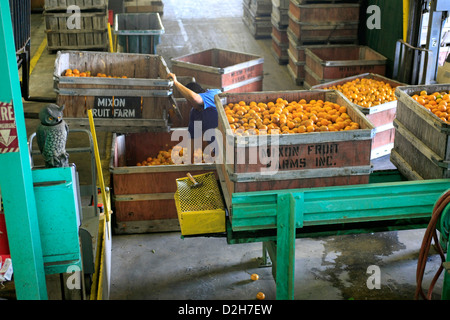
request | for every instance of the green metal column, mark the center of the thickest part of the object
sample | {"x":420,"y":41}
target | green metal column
{"x":285,"y":248}
{"x":15,"y":174}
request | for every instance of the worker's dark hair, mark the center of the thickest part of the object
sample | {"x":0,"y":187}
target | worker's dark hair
{"x":194,"y":86}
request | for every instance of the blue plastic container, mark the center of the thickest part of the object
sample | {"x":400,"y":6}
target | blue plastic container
{"x":138,"y":32}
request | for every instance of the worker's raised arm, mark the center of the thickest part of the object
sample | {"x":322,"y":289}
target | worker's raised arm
{"x":193,"y":98}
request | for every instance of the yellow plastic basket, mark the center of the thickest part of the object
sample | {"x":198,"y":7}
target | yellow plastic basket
{"x":200,"y":209}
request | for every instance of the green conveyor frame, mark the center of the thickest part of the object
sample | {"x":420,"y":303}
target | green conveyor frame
{"x":278,"y":218}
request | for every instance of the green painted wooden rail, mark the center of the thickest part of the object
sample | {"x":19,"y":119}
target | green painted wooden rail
{"x":278,"y":218}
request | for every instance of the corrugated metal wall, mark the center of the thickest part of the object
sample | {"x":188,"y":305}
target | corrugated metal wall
{"x":20,"y":15}
{"x":383,"y":40}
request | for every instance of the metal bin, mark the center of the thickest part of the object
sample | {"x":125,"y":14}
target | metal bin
{"x":138,"y":32}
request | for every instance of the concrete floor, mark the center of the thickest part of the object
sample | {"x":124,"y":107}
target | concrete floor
{"x":164,"y":266}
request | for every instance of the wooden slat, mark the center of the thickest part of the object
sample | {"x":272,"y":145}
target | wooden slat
{"x":313,"y":34}
{"x":325,"y":13}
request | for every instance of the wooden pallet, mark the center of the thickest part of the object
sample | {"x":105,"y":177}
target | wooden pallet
{"x":87,"y":33}
{"x":83,"y":5}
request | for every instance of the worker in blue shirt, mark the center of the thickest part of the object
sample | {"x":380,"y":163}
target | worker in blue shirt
{"x":203,"y":109}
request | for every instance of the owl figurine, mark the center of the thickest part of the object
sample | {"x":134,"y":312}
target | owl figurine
{"x":52,"y":136}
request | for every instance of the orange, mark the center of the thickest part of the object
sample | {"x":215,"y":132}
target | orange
{"x":260,"y":296}
{"x":436,"y":103}
{"x":365,"y":91}
{"x":281,"y":116}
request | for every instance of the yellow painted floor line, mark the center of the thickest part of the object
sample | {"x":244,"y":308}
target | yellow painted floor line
{"x":38,"y":54}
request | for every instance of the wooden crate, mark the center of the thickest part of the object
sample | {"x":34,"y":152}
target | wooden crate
{"x":296,"y":68}
{"x":297,"y":49}
{"x":421,"y":146}
{"x":92,"y":33}
{"x":282,"y":4}
{"x":229,"y":71}
{"x":280,"y":42}
{"x":62,"y":5}
{"x":139,"y":6}
{"x":305,"y":160}
{"x":324,"y":13}
{"x":280,"y":16}
{"x":297,"y":57}
{"x":260,"y":8}
{"x":140,"y":101}
{"x":308,"y":33}
{"x":331,"y":63}
{"x":279,"y":50}
{"x":259,"y":26}
{"x":143,"y":196}
{"x":280,"y":34}
{"x":381,"y":116}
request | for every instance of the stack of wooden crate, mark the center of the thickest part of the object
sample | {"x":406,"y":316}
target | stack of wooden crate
{"x":76,"y":25}
{"x":257,"y":16}
{"x":316,"y":24}
{"x":136,"y":6}
{"x":280,"y":22}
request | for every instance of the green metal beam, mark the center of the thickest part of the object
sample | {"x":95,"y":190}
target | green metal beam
{"x":278,"y":218}
{"x":336,"y":205}
{"x":15,"y":174}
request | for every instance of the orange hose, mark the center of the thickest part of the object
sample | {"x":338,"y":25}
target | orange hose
{"x":431,"y":234}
